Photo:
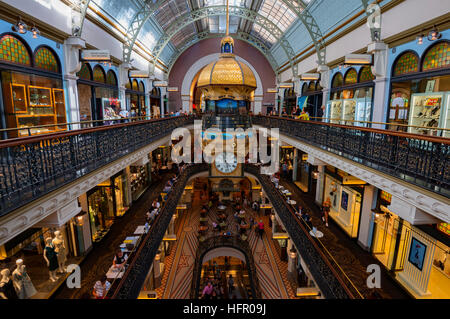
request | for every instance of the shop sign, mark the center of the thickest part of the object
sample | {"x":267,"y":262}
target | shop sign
{"x":160,"y":84}
{"x":96,"y":55}
{"x":304,"y":157}
{"x":138,"y":74}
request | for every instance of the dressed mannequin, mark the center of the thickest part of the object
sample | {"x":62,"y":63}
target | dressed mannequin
{"x":60,"y":249}
{"x":7,"y":290}
{"x":51,"y":258}
{"x":22,"y":282}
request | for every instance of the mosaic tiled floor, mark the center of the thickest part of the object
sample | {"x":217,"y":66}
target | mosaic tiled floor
{"x":177,"y":277}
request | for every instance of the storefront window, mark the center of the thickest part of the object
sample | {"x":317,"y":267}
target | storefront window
{"x":351,"y":98}
{"x":45,"y":106}
{"x":419,"y":100}
{"x":345,"y":204}
{"x":121,"y":194}
{"x":101,"y":210}
{"x":139,"y":180}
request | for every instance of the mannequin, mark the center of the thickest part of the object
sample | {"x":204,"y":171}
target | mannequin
{"x":7,"y":290}
{"x":60,"y":249}
{"x":51,"y":259}
{"x":22,"y":282}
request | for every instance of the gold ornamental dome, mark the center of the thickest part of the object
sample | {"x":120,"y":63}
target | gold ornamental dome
{"x":227,"y":39}
{"x":227,"y":71}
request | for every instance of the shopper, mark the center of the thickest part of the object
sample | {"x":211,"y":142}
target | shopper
{"x":101,"y":288}
{"x":230,"y":285}
{"x":119,"y":259}
{"x":207,"y":291}
{"x":261,"y":228}
{"x":326,"y":210}
{"x":304,"y":116}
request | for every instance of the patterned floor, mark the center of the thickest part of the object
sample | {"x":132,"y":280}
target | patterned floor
{"x":177,"y":276}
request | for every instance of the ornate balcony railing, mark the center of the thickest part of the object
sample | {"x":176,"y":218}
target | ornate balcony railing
{"x":134,"y":277}
{"x":225,"y":241}
{"x":31,"y":167}
{"x":329,"y":276}
{"x":417,"y":159}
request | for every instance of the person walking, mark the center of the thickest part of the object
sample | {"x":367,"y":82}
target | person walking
{"x":326,"y":210}
{"x":230,"y":285}
{"x":207,"y":291}
{"x":261,"y":228}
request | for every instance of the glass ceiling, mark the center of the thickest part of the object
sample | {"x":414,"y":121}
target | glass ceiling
{"x":118,"y":14}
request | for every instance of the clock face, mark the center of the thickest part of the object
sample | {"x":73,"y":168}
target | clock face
{"x":226,"y":162}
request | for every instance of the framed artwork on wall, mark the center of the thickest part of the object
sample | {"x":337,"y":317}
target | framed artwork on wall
{"x":344,"y":200}
{"x":417,"y":253}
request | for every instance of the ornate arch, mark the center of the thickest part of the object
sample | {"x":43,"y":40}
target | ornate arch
{"x":205,"y":12}
{"x":246,"y":37}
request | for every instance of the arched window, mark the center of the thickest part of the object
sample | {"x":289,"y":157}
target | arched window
{"x":337,"y":80}
{"x":99,"y":74}
{"x":45,"y":59}
{"x":318,"y":86}
{"x":111,"y":78}
{"x":366,"y":75}
{"x":12,"y":50}
{"x":141,"y":86}
{"x":128,"y":85}
{"x":304,"y":87}
{"x":85,"y":72}
{"x":351,"y":77}
{"x":135,"y":85}
{"x":437,"y":57}
{"x":312,"y":86}
{"x":407,"y":63}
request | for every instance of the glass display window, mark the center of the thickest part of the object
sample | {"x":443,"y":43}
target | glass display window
{"x":32,"y":101}
{"x":139,"y":178}
{"x":101,"y":210}
{"x":425,"y":112}
{"x":121,"y":194}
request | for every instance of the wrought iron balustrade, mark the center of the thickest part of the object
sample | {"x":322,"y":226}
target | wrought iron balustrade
{"x":421,"y":160}
{"x":31,"y":167}
{"x":134,"y":277}
{"x":331,"y":279}
{"x":225,"y":241}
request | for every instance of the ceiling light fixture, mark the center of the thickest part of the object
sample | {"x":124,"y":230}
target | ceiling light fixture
{"x":20,"y":27}
{"x":358,"y":59}
{"x":35,"y":32}
{"x":434,"y":34}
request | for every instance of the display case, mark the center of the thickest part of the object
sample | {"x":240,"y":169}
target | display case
{"x":24,"y":122}
{"x":363,"y":111}
{"x":348,"y":112}
{"x":60,"y":107}
{"x":425,"y":112}
{"x":336,"y":111}
{"x":19,"y":98}
{"x":39,"y":96}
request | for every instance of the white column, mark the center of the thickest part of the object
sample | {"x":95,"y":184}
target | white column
{"x":281,"y":98}
{"x":366,"y":216}
{"x":379,"y":69}
{"x":123,"y":80}
{"x":295,"y":165}
{"x":72,"y":47}
{"x":320,"y":183}
{"x":257,"y":104}
{"x":325,"y":83}
{"x":186,"y":103}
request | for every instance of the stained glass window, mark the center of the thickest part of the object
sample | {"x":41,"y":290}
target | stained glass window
{"x":318,"y":86}
{"x":366,"y":75}
{"x":85,"y":72}
{"x":407,"y":63}
{"x":141,"y":86}
{"x":338,"y":80}
{"x":99,"y":74}
{"x":128,"y":85}
{"x":14,"y":51}
{"x":46,"y":60}
{"x":111,"y":78}
{"x":351,"y":77}
{"x":437,"y":57}
{"x":311,"y":87}
{"x":135,"y":85}
{"x":304,"y":87}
